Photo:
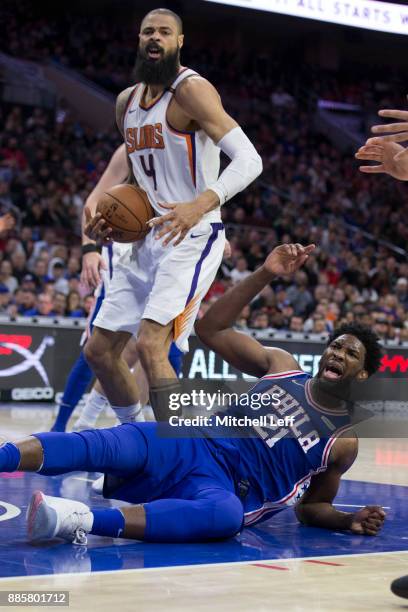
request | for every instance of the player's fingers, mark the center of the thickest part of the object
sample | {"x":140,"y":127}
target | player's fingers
{"x":299,"y":248}
{"x":401,"y":137}
{"x":368,"y":150}
{"x":394,"y":114}
{"x":389,"y":127}
{"x":94,"y":276}
{"x":368,"y":156}
{"x":372,"y":169}
{"x":293,"y":250}
{"x":183,"y":234}
{"x":84,"y":279}
{"x":373,"y":522}
{"x":309,"y":248}
{"x":371,"y":148}
{"x":377,"y":509}
{"x":370,"y":532}
{"x":374,"y":140}
{"x":168,"y":206}
{"x":166,"y":229}
{"x":171,"y":236}
{"x":160,"y":220}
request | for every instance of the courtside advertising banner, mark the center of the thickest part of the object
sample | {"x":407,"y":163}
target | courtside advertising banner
{"x":35,"y":362}
{"x":367,"y":14}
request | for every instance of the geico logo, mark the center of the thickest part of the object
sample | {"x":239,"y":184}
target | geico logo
{"x":32,"y":393}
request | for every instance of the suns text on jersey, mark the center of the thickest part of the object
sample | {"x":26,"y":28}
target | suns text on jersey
{"x":144,"y":137}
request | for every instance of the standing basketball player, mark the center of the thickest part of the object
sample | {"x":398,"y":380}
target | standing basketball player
{"x":97,"y":273}
{"x":174,"y":127}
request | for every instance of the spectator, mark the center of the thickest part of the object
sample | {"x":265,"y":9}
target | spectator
{"x":58,"y":275}
{"x":5,"y":299}
{"x":6,"y":276}
{"x":25,"y":300}
{"x":296,"y":324}
{"x":59,"y":304}
{"x":299,"y":295}
{"x":240,"y":271}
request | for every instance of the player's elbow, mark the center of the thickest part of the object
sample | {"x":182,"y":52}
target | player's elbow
{"x":205,"y":332}
{"x":257,"y":165}
{"x":301,"y":515}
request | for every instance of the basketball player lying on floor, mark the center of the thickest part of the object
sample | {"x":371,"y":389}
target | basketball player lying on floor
{"x":204,"y":488}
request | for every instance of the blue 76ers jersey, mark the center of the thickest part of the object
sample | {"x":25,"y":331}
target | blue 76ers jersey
{"x":279,"y":462}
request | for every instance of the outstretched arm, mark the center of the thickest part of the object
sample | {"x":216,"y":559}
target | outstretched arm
{"x":315,"y":508}
{"x":240,"y":350}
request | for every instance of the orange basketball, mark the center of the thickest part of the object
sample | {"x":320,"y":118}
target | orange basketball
{"x":126,"y":209}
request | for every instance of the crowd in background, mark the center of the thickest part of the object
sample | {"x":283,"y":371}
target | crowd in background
{"x":309,"y":192}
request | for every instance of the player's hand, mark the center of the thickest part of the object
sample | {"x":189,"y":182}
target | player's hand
{"x":176,"y":223}
{"x":287,"y":258}
{"x":92,"y":264}
{"x":7,"y":222}
{"x":392,"y":158}
{"x":368,"y":520}
{"x":96,"y":228}
{"x":396,"y":132}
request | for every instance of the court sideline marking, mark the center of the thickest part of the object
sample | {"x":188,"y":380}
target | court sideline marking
{"x":197,"y":566}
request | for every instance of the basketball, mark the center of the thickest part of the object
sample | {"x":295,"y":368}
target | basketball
{"x":126,"y":208}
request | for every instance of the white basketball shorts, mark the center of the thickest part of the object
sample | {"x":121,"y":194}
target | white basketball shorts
{"x":163,"y":283}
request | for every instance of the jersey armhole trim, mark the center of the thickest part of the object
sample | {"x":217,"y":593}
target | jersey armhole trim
{"x":286,"y":374}
{"x":329,"y":445}
{"x":129,"y":101}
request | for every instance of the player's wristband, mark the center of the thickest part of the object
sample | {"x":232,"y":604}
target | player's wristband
{"x":91,"y":248}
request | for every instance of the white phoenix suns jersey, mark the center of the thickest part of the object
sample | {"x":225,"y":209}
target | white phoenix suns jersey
{"x":170,"y":165}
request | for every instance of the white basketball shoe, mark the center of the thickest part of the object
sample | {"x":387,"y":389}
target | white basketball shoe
{"x":54,"y":517}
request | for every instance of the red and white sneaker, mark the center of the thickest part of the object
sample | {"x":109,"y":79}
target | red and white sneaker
{"x":54,"y":517}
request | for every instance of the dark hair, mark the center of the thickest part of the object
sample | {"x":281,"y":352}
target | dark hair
{"x":165,"y":11}
{"x":368,"y":338}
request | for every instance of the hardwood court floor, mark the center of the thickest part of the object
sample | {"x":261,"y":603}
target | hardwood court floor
{"x":278,"y":565}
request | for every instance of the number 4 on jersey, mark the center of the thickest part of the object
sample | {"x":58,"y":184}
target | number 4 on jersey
{"x":149,"y":170}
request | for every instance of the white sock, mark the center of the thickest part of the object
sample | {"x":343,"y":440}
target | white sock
{"x":129,"y":414}
{"x":95,"y":403}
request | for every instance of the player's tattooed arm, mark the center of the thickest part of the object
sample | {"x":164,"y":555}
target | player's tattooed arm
{"x":315,"y":508}
{"x":239,"y":349}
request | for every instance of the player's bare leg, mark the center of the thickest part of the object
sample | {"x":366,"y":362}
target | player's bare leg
{"x":97,"y":399}
{"x":153,"y":345}
{"x":104,"y":352}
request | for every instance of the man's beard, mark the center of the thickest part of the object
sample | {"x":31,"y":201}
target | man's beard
{"x":160,"y":72}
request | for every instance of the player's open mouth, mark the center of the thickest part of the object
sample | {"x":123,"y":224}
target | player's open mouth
{"x":154,"y":53}
{"x":332,"y":371}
